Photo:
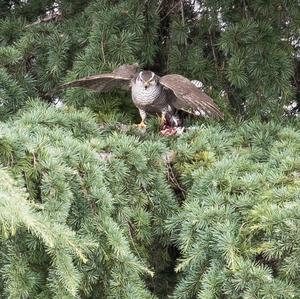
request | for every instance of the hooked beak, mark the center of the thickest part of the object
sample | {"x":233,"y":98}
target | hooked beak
{"x":146,"y":84}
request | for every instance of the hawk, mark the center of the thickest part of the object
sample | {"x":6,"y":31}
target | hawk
{"x":154,"y":95}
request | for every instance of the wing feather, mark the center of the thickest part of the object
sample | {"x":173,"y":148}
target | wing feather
{"x":119,"y":78}
{"x":186,"y":96}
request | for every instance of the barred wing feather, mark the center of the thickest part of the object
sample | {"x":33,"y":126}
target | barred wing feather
{"x":186,"y":96}
{"x":119,"y":78}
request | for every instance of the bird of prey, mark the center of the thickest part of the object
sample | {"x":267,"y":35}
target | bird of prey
{"x":154,"y":95}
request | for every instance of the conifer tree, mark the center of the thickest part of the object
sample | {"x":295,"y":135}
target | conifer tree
{"x":237,"y":230}
{"x":96,"y":213}
{"x":87,"y":223}
{"x":245,"y":52}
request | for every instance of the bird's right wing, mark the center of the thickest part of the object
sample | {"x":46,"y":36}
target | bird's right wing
{"x":119,"y":78}
{"x":186,"y":96}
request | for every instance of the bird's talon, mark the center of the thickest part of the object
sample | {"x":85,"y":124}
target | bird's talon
{"x":141,"y":125}
{"x":162,"y":120}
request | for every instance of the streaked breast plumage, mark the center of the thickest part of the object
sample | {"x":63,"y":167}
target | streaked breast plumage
{"x":145,"y":89}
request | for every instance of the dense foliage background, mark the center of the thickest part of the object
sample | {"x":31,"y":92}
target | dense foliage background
{"x":91,"y":207}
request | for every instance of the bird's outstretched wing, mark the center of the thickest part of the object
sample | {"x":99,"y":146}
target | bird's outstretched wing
{"x":119,"y":78}
{"x":186,"y":96}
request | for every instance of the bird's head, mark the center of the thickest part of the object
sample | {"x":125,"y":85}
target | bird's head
{"x":147,"y":78}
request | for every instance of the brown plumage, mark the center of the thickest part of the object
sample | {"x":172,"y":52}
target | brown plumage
{"x":119,"y":78}
{"x":188,"y":97}
{"x":153,"y":94}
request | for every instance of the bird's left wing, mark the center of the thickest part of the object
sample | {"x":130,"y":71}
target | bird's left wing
{"x":119,"y":78}
{"x":186,"y":96}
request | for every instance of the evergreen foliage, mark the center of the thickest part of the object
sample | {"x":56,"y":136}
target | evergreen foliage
{"x":245,"y":52}
{"x":96,"y":213}
{"x":79,"y":231}
{"x":238,"y":228}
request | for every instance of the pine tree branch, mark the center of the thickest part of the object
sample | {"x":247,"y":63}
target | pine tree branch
{"x":213,"y":51}
{"x":171,"y":9}
{"x":183,"y":19}
{"x":245,"y":9}
{"x":168,"y":160}
{"x":53,"y":16}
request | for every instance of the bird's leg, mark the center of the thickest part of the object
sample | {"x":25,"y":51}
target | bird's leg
{"x":142,"y":125}
{"x":162,"y":119}
{"x":143,"y":115}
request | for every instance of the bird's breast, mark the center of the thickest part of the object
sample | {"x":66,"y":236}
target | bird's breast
{"x":146,"y":97}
